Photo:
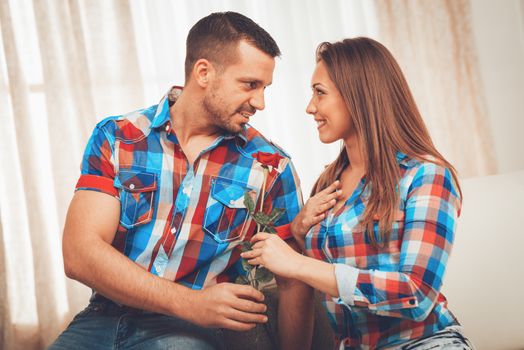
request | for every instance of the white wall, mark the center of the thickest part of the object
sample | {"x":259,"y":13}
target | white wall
{"x":498,"y":27}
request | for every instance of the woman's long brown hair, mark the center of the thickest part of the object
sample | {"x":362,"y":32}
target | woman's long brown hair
{"x":386,"y":120}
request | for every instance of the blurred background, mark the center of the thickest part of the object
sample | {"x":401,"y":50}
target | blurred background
{"x":65,"y":64}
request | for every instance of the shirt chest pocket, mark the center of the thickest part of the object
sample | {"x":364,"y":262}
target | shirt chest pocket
{"x":226,"y":216}
{"x":137,"y":192}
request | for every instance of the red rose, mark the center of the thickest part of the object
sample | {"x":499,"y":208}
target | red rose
{"x":266,"y":159}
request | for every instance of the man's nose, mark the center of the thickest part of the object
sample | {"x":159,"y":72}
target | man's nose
{"x":257,"y":101}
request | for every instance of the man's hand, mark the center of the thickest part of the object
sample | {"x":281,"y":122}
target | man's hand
{"x":314,"y":210}
{"x":227,"y":305}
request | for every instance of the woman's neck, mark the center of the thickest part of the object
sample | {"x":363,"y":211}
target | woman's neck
{"x":354,"y":153}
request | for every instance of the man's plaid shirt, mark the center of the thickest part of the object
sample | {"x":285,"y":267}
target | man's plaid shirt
{"x":180,"y":221}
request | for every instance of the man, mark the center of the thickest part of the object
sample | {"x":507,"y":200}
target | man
{"x":155,"y":224}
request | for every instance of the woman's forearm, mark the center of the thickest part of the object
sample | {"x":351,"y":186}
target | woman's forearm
{"x":318,"y":274}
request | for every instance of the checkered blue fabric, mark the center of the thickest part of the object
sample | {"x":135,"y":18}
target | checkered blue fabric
{"x":180,"y":221}
{"x":395,"y":296}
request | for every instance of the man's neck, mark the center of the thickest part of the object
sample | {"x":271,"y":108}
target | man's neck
{"x":189,"y":120}
{"x":190,"y":123}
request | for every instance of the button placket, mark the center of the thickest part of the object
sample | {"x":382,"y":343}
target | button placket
{"x":182,"y":202}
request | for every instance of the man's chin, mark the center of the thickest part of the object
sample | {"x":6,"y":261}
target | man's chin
{"x":233,"y":129}
{"x":239,"y":127}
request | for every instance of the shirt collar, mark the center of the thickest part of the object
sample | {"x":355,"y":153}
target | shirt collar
{"x":241,"y":136}
{"x":402,"y":158}
{"x":162,"y":115}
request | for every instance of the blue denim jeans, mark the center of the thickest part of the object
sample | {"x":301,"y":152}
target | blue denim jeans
{"x":450,"y":338}
{"x":104,"y":325}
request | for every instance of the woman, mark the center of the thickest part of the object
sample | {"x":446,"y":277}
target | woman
{"x":387,"y":208}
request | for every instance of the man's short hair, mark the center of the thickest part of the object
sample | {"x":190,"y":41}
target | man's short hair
{"x":216,"y":38}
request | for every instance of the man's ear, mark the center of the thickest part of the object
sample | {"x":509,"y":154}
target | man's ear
{"x":203,"y":72}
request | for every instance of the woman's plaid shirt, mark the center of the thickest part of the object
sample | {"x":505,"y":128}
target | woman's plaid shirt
{"x":391,"y":294}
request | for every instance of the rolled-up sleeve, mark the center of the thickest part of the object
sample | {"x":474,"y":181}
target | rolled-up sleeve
{"x":347,"y":277}
{"x":97,"y":169}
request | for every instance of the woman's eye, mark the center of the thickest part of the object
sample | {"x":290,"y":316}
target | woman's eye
{"x":319,"y":92}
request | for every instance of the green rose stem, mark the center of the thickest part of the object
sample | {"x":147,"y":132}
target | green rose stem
{"x":266,"y":172}
{"x":264,"y":223}
{"x":254,"y":270}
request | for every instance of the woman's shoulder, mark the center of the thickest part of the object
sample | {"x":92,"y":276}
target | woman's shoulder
{"x":423,"y":166}
{"x":427,"y":172}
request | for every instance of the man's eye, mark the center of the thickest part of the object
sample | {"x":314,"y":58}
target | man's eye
{"x":319,"y":92}
{"x":251,"y":84}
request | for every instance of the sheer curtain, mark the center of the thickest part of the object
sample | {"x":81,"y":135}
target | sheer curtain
{"x":437,"y":34}
{"x":66,"y":64}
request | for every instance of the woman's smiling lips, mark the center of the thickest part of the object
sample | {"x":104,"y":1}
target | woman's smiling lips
{"x":320,"y":123}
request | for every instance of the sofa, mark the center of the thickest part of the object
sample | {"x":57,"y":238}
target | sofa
{"x":484,"y":283}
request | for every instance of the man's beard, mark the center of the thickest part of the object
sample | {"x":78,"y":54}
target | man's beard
{"x":218,"y":113}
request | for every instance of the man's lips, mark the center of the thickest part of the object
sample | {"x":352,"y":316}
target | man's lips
{"x":246,"y":114}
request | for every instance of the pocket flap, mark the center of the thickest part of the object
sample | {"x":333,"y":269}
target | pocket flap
{"x":137,"y":181}
{"x":229,"y":192}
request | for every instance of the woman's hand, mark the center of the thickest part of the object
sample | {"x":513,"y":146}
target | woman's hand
{"x":314,"y":210}
{"x":274,"y":254}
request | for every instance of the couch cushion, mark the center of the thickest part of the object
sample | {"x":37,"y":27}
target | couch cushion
{"x":484,"y":282}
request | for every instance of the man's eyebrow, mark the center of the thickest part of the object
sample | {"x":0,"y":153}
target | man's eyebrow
{"x":254,"y":80}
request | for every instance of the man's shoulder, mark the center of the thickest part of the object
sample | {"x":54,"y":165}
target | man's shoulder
{"x":129,"y":127}
{"x":256,"y":142}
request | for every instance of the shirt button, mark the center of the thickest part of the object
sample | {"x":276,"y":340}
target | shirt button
{"x":231,"y":202}
{"x":132,"y":186}
{"x":173,"y":230}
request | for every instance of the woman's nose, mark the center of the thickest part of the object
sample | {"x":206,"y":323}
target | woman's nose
{"x":311,"y":108}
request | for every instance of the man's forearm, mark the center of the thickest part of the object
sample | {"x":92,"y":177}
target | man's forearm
{"x":295,"y":314}
{"x":298,"y":237}
{"x":115,"y":276}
